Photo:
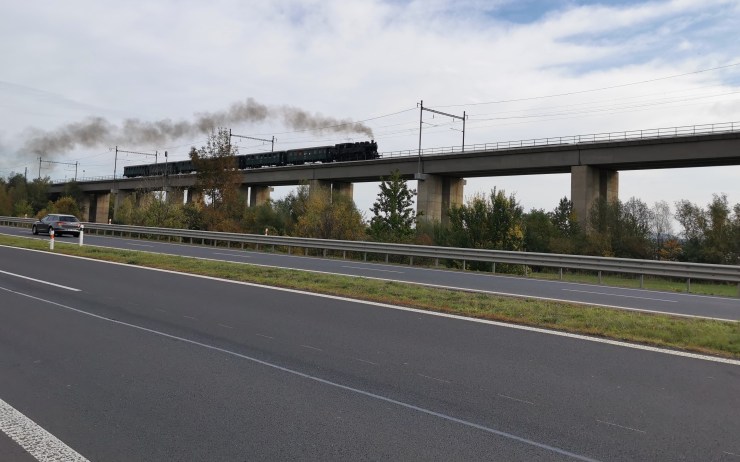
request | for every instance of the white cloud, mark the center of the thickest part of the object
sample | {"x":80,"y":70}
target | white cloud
{"x":167,"y":59}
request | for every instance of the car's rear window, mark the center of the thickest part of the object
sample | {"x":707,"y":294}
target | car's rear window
{"x":68,"y":219}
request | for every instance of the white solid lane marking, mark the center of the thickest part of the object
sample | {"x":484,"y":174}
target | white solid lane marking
{"x":40,"y":281}
{"x":265,"y":336}
{"x":141,"y":245}
{"x":38,"y":442}
{"x":232,"y":255}
{"x":620,"y":295}
{"x":372,"y":269}
{"x":621,"y":426}
{"x":225,"y":326}
{"x":316,"y":379}
{"x":516,"y":399}
{"x":365,"y":361}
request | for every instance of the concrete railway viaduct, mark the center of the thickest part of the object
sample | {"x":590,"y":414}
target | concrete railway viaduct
{"x":594,"y":163}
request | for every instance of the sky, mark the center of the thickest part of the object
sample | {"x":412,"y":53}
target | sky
{"x":80,"y":77}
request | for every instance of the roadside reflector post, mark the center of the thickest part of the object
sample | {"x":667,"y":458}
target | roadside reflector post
{"x":82,"y":234}
{"x":51,"y":238}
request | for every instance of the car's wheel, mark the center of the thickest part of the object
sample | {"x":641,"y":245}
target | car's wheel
{"x":34,"y":230}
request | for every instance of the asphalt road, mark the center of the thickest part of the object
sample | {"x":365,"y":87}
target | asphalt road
{"x":123,"y":363}
{"x":633,"y":299}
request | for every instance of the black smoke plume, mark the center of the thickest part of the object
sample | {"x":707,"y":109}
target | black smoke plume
{"x":97,"y":131}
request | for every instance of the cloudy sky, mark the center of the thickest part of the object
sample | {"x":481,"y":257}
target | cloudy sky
{"x":520,"y":69}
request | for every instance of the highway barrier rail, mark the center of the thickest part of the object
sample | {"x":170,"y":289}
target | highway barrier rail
{"x":678,"y":270}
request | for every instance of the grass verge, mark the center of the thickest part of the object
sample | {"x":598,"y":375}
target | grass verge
{"x":719,"y":338}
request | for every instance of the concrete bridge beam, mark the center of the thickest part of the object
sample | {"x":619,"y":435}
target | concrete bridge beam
{"x":436,"y":194}
{"x":588,"y":185}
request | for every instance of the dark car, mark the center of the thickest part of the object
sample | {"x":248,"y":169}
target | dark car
{"x":61,"y":224}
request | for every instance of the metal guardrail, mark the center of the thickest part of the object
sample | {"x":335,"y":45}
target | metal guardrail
{"x":630,"y":135}
{"x":679,"y":270}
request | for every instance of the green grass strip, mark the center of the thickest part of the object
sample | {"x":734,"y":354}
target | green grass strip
{"x":721,"y":338}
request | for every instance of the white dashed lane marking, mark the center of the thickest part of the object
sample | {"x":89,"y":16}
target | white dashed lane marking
{"x":41,"y":444}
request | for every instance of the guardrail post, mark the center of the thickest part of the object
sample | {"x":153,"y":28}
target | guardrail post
{"x":411,"y":260}
{"x":436,"y":262}
{"x":386,"y":258}
{"x":642,"y":281}
{"x":494,"y":268}
{"x":561,"y":274}
{"x":688,"y":285}
{"x":290,"y":250}
{"x":465,"y":265}
{"x":599,"y":277}
{"x":324,"y":253}
{"x":364,"y":256}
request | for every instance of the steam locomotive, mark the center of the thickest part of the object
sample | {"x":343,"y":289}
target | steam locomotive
{"x":344,"y":152}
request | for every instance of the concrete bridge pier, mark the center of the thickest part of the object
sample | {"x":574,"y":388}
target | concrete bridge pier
{"x":193,"y":196}
{"x":436,"y":194}
{"x":343,"y":188}
{"x":259,"y":195}
{"x":588,"y":185}
{"x":175,"y":196}
{"x":98,"y":205}
{"x":334,"y":187}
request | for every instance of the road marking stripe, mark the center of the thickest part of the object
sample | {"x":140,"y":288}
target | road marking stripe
{"x":265,"y":336}
{"x":635,"y":346}
{"x":620,"y":295}
{"x":313,"y":378}
{"x":141,"y":245}
{"x":516,"y":399}
{"x":371,"y":269}
{"x":621,"y":426}
{"x":312,"y":347}
{"x":365,"y":361}
{"x":232,"y":255}
{"x":38,"y":442}
{"x":225,"y":326}
{"x":40,"y":281}
{"x":433,"y":378}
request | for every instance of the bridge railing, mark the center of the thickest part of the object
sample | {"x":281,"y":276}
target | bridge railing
{"x":652,"y":133}
{"x":679,"y":270}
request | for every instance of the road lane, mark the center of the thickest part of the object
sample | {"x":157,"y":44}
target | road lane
{"x":169,"y":396}
{"x":623,"y":298}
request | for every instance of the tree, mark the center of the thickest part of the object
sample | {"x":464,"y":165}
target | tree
{"x":660,"y":223}
{"x":393,"y":213}
{"x":539,"y":231}
{"x":6,"y":202}
{"x":327,"y":216}
{"x":66,"y":205}
{"x":620,"y":229}
{"x":568,"y":236}
{"x":493,"y":222}
{"x":711,"y":235}
{"x":219,"y":180}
